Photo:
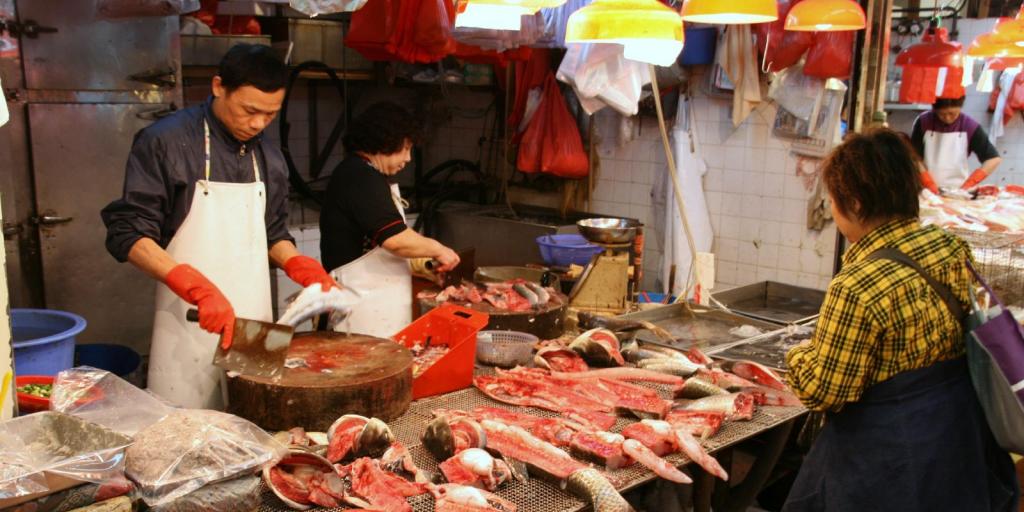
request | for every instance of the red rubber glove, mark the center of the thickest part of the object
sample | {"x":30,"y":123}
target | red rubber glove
{"x":306,"y":271}
{"x":972,"y":181}
{"x":215,"y":312}
{"x":929,"y":182}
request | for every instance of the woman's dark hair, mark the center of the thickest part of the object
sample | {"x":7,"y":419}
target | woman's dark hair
{"x":252,"y":64}
{"x":383,"y":128}
{"x":948,"y":102}
{"x":873,"y":176}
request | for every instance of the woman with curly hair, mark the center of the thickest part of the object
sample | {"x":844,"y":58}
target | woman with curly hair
{"x":904,"y":429}
{"x":363,"y":234}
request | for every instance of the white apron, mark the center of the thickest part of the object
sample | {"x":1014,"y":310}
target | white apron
{"x":224,"y":237}
{"x":945,"y":156}
{"x":384,"y":283}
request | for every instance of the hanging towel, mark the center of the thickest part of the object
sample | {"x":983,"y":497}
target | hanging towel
{"x":690,"y":167}
{"x":740,"y":63}
{"x":1006,"y":82}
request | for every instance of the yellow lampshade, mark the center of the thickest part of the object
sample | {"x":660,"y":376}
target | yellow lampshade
{"x":532,"y":5}
{"x":730,"y":12}
{"x":825,"y":16}
{"x":986,"y":45}
{"x":647,"y":29}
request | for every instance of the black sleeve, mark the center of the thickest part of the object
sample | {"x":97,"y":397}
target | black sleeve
{"x":143,"y":206}
{"x":368,"y":198}
{"x":917,"y":139}
{"x":277,"y":197}
{"x":981,"y":146}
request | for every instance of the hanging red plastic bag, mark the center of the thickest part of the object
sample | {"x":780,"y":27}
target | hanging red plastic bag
{"x":831,"y":56}
{"x":426,"y":34}
{"x":551,"y":143}
{"x":373,"y":31}
{"x":780,"y":48}
{"x":528,"y":74}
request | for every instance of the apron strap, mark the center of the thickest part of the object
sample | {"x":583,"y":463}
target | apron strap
{"x":206,"y":156}
{"x":894,"y":254}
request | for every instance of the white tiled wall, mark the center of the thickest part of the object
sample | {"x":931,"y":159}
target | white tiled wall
{"x":307,"y":239}
{"x":1010,"y":145}
{"x":757,"y":203}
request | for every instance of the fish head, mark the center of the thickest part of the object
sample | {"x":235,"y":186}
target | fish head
{"x":374,"y":439}
{"x":439,"y":439}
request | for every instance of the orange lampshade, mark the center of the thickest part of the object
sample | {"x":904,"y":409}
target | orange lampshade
{"x":1001,"y":63}
{"x":825,"y":16}
{"x":730,"y":12}
{"x":934,"y":51}
{"x":647,"y":30}
{"x":986,"y":45}
{"x":1009,"y":31}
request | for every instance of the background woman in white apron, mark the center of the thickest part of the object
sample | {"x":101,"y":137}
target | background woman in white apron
{"x":205,"y":211}
{"x":944,"y":138}
{"x":363,"y":234}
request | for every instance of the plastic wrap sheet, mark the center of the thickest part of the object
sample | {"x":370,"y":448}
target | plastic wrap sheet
{"x":316,"y":7}
{"x":103,"y":398}
{"x":601,"y":75}
{"x":191,"y":448}
{"x":47,"y":452}
{"x":237,"y":495}
{"x":797,"y":92}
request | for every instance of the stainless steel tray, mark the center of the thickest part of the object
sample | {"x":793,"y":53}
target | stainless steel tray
{"x":769,"y":350}
{"x":705,"y":327}
{"x":773,"y":302}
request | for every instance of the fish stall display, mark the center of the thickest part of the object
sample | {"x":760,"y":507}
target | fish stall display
{"x":517,"y":295}
{"x":989,"y":208}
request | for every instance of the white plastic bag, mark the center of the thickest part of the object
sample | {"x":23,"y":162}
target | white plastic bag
{"x":314,"y":8}
{"x":103,"y":398}
{"x":601,"y":75}
{"x":531,"y":28}
{"x":797,"y":92}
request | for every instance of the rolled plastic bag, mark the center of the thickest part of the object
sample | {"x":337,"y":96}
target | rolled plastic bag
{"x":313,"y":301}
{"x":103,"y":398}
{"x":314,"y":8}
{"x":191,"y":448}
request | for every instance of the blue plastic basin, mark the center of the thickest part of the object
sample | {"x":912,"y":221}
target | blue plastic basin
{"x":563,"y":250}
{"x":44,"y":340}
{"x":700,"y":46}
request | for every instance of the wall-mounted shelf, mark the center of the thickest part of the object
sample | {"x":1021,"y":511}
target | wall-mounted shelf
{"x":908,"y":106}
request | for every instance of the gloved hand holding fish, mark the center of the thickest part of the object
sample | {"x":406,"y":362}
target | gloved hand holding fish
{"x":313,"y":301}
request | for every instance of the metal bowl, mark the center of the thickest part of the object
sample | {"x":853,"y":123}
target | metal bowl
{"x":608,"y":231}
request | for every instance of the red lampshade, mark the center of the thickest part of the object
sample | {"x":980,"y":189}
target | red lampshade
{"x":825,"y":16}
{"x":934,"y":51}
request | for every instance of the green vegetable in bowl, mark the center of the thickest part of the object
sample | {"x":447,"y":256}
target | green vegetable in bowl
{"x":41,"y":390}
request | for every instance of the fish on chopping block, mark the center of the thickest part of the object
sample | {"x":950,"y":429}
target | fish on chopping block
{"x":736,"y":406}
{"x":461,"y":498}
{"x":591,"y":485}
{"x":559,"y":359}
{"x":598,"y":347}
{"x":476,"y":468}
{"x":692,"y":449}
{"x":695,"y":387}
{"x":757,"y":373}
{"x":353,"y":436}
{"x":658,"y":465}
{"x":303,"y":479}
{"x":702,"y":424}
{"x":447,"y":435}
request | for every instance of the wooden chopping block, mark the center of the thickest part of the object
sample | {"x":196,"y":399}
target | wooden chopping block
{"x":344,"y":374}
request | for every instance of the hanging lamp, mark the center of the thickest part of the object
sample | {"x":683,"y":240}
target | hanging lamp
{"x":648,"y":30}
{"x":935,"y":51}
{"x":987,"y":45}
{"x":932,"y":68}
{"x":826,"y":16}
{"x":498,"y":14}
{"x":730,"y":12}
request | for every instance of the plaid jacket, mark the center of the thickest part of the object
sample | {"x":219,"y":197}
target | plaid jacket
{"x":880,"y":317}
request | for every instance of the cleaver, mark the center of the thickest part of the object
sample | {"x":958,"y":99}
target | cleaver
{"x":462,"y":272}
{"x":258,"y":348}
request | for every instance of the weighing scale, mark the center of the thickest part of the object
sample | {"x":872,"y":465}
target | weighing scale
{"x":610,"y":281}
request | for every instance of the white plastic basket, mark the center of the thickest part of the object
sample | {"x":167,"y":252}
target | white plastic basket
{"x":504,"y":348}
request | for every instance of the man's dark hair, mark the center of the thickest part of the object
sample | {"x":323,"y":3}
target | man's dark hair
{"x":948,"y":102}
{"x":382,"y":128}
{"x":253,"y":64}
{"x":873,"y":176}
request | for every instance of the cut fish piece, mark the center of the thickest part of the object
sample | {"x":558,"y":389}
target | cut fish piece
{"x":658,"y":437}
{"x":648,"y":459}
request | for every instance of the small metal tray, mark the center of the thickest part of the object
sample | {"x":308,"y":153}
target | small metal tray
{"x":704,"y":327}
{"x":773,"y":302}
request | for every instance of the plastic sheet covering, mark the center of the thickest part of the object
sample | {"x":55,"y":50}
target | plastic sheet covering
{"x":138,"y":8}
{"x":191,"y":448}
{"x":47,"y":452}
{"x":316,"y":7}
{"x":237,"y":495}
{"x":103,"y":398}
{"x":797,"y":92}
{"x":601,"y":75}
{"x":531,"y":29}
{"x":76,"y":497}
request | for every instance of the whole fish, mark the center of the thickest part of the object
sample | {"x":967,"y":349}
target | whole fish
{"x":736,"y":406}
{"x":591,"y":485}
{"x":627,"y":374}
{"x":670,"y":366}
{"x":694,"y":388}
{"x":634,"y":353}
{"x":650,"y":460}
{"x":590,"y":321}
{"x":674,"y":353}
{"x":757,"y":373}
{"x":599,"y":347}
{"x":542,"y":294}
{"x":724,"y":380}
{"x":527,"y":294}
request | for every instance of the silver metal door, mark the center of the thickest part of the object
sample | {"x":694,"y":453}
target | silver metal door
{"x":90,"y":54}
{"x":79,"y":154}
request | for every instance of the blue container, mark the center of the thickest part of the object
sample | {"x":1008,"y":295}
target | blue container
{"x":699,"y":47}
{"x":563,"y":250}
{"x":117,"y":359}
{"x":44,"y":340}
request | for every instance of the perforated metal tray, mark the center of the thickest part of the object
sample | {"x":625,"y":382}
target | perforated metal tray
{"x":705,"y":327}
{"x":537,"y":495}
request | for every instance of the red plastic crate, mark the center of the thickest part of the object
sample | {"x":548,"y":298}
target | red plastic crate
{"x":450,"y":325}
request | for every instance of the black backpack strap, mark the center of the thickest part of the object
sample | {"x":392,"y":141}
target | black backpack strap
{"x":891,"y":253}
